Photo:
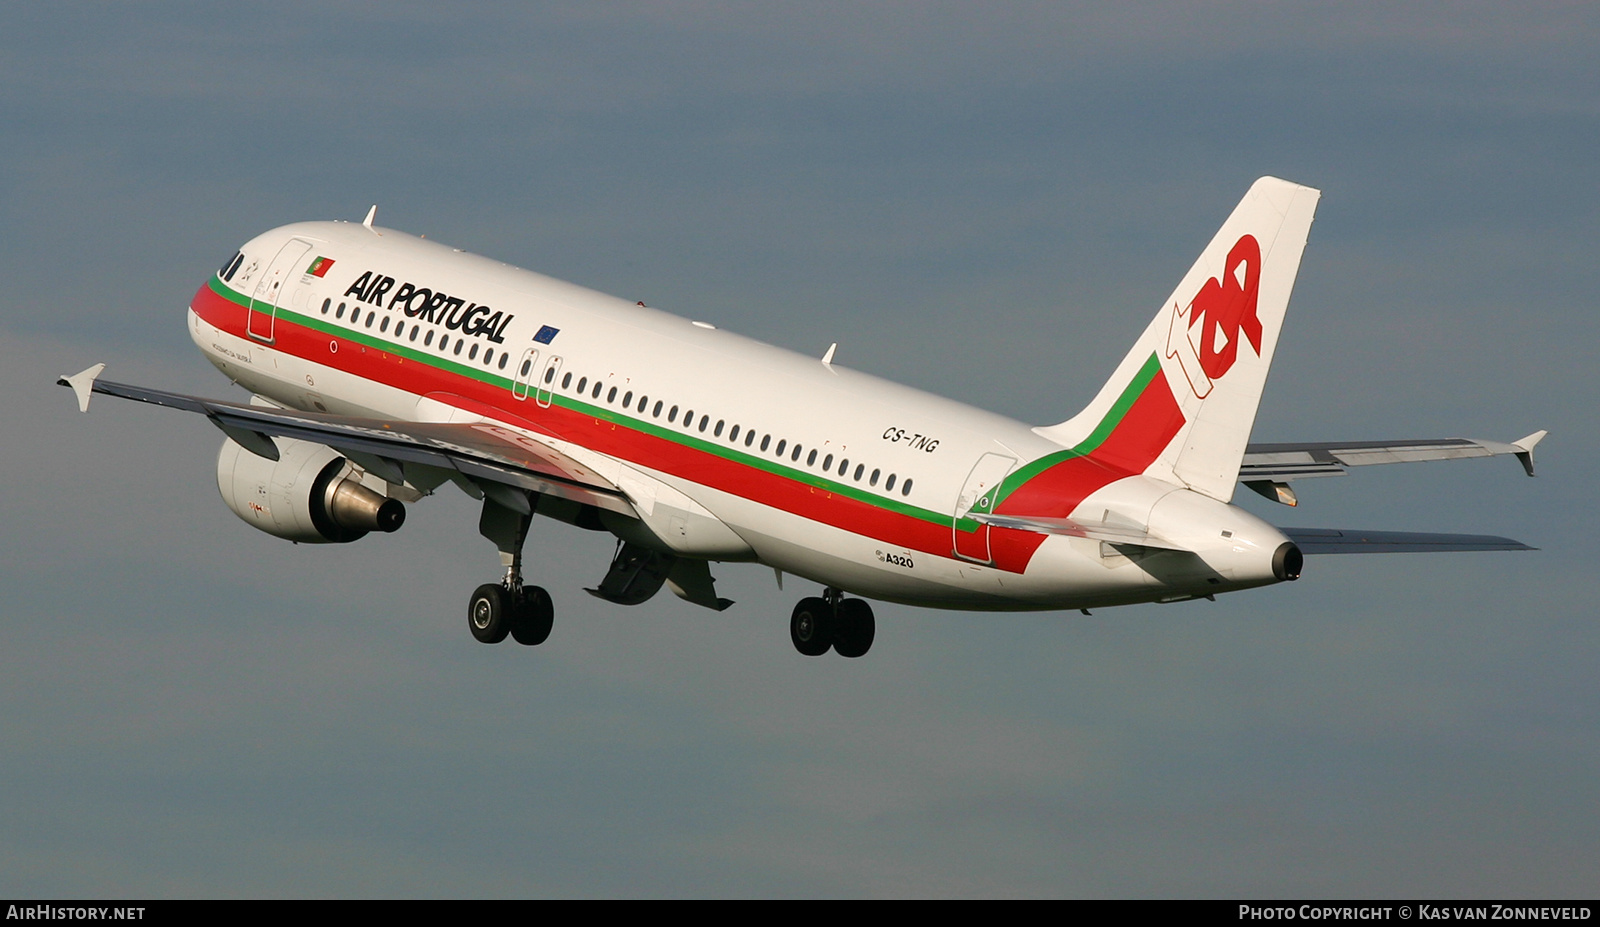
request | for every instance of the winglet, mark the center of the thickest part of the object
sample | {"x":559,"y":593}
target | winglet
{"x":827,"y":357}
{"x":371,"y":214}
{"x":82,"y":384}
{"x":1524,"y":448}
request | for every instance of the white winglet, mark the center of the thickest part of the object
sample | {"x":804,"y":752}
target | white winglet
{"x":371,"y":214}
{"x":1524,"y":448}
{"x":827,"y":358}
{"x":82,"y":384}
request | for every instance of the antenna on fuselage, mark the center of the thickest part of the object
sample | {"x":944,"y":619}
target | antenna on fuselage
{"x":371,"y":214}
{"x":827,"y":358}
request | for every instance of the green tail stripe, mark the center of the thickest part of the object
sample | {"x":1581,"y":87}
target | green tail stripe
{"x":1089,"y":445}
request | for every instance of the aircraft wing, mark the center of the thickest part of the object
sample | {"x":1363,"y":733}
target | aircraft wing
{"x":493,"y":459}
{"x":1346,"y":541}
{"x":1067,"y":527}
{"x":1268,"y":468}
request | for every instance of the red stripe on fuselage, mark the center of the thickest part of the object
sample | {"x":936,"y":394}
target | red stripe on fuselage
{"x":610,"y":438}
{"x":1135,"y":442}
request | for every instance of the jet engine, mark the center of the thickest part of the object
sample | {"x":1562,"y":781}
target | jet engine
{"x":309,"y":494}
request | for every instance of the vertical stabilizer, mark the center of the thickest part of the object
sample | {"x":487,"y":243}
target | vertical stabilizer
{"x":1206,"y":354}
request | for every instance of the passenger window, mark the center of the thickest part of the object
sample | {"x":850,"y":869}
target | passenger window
{"x":503,"y":356}
{"x":612,"y":396}
{"x":370,"y":317}
{"x":796,"y":456}
{"x":399,"y":329}
{"x":458,"y":340}
{"x":627,"y":399}
{"x":672,"y":415}
{"x":413,"y":333}
{"x":844,"y":466}
{"x":811,"y":459}
{"x":749,"y":437}
{"x":704,"y":420}
{"x":718,"y":430}
{"x":549,"y":374}
{"x":325,"y":306}
{"x":385,"y":326}
{"x":781,"y":446}
{"x":734,"y":436}
{"x":444,"y":342}
{"x":583,"y":385}
{"x":905,"y":490}
{"x":888,"y":485}
{"x":827,"y":462}
{"x":656,"y":412}
{"x":643,"y":401}
{"x":873,"y":479}
{"x":527,"y":365}
{"x":428,"y":338}
{"x":488,"y":355}
{"x":340,"y":313}
{"x":566,"y":381}
{"x":473,"y":354}
{"x":596,"y":393}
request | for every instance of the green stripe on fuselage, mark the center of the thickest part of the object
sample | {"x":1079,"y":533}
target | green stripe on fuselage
{"x":595,"y":411}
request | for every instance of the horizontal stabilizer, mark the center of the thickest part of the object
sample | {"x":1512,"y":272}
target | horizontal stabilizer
{"x":1345,"y":541}
{"x":1114,"y":534}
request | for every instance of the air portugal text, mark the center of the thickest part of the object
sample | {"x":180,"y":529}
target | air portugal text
{"x":435,"y":306}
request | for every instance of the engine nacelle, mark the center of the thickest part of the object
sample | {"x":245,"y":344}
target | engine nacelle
{"x":309,"y":494}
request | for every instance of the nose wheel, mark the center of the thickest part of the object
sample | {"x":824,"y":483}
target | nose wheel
{"x":832,"y":622}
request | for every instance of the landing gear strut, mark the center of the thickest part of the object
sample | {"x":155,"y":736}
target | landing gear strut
{"x":509,"y":607}
{"x":832,"y":622}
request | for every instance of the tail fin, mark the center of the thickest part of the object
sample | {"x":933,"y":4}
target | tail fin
{"x":1192,"y":382}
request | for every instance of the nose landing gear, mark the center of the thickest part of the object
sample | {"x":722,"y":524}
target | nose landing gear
{"x":845,"y":626}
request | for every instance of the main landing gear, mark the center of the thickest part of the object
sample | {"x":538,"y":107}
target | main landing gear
{"x":525,"y":614}
{"x":509,"y":607}
{"x":832,"y":621}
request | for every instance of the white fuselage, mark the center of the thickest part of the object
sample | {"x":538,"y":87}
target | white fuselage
{"x":883,"y":519}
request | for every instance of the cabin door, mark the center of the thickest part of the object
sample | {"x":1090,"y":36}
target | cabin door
{"x":970,"y":538}
{"x":272,"y":289}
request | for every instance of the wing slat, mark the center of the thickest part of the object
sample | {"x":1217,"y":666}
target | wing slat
{"x":481,"y":450}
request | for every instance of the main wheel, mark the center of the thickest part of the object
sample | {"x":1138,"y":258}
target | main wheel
{"x":489,"y":614}
{"x":856,"y":628}
{"x":811,"y":627}
{"x":532,"y":617}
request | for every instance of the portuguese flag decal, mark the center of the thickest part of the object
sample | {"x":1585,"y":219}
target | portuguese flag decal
{"x":319,"y":267}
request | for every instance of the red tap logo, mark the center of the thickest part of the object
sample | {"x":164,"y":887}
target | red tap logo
{"x":1205,"y":336}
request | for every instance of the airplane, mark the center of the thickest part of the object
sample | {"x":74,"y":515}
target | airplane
{"x":382,"y":366}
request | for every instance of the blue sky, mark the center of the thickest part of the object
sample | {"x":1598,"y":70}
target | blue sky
{"x":983,"y":201}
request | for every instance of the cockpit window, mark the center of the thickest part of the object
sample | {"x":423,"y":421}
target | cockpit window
{"x":231,"y":266}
